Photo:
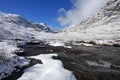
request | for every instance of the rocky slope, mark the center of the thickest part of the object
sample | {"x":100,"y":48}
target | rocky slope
{"x":15,"y":26}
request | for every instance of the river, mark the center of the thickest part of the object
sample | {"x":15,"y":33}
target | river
{"x":87,"y":63}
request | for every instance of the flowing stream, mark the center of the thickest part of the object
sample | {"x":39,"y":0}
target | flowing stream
{"x":87,"y":63}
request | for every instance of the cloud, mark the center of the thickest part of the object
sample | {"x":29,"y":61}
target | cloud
{"x":80,"y":11}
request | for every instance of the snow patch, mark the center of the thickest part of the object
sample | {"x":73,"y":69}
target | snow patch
{"x":50,"y":70}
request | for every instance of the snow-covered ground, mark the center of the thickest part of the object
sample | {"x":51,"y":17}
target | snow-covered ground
{"x":9,"y":60}
{"x":58,"y":43}
{"x":50,"y":70}
{"x":96,"y":36}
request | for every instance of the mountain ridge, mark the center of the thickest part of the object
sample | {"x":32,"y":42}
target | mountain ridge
{"x":15,"y":26}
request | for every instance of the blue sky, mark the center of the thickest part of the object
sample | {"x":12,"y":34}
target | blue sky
{"x":36,"y":10}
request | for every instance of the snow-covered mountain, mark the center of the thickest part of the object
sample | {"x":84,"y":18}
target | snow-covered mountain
{"x":15,"y":26}
{"x":104,"y":25}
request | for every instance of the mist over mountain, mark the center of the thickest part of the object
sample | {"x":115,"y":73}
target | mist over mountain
{"x":81,"y":10}
{"x":105,"y":15}
{"x":104,"y":25}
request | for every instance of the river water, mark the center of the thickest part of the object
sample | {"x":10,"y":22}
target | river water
{"x":87,"y":63}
